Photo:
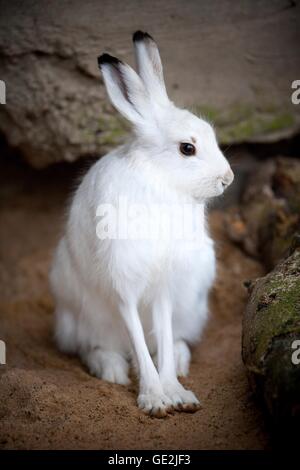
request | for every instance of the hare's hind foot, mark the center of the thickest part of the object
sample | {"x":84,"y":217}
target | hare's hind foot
{"x":107,"y":365}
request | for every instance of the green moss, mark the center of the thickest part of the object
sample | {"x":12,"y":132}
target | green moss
{"x":207,"y":112}
{"x":255,"y":125}
{"x":112,"y":132}
{"x":277,"y":306}
{"x":109,"y":131}
{"x":281,"y":121}
{"x":242,"y":122}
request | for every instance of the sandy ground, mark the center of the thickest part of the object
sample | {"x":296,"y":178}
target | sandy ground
{"x":48,"y":400}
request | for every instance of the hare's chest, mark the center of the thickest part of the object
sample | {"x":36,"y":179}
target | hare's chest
{"x":193,"y":260}
{"x":181,"y":263}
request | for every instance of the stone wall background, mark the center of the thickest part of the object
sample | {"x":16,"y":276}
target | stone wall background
{"x":232,"y":61}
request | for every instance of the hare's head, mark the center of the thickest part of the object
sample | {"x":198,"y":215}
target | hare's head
{"x":180,"y":144}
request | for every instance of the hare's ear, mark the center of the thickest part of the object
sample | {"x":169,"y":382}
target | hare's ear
{"x":150,"y":66}
{"x":125,"y":88}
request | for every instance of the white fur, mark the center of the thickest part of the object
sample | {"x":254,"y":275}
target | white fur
{"x":115,"y":298}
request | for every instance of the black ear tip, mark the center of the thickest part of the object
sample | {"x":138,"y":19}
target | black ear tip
{"x":141,"y":36}
{"x":107,"y":59}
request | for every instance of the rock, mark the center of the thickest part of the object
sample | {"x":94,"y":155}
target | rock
{"x":271,"y":324}
{"x":220,"y":60}
{"x":268,"y":219}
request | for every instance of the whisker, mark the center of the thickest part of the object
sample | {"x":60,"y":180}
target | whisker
{"x":234,"y":164}
{"x":227,"y":148}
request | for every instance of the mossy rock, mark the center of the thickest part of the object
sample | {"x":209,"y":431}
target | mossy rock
{"x":271,"y":324}
{"x":243,"y":122}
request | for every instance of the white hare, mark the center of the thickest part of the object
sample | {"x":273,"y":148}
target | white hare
{"x":121,"y":298}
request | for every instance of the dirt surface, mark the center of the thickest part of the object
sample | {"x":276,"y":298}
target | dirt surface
{"x":48,"y":400}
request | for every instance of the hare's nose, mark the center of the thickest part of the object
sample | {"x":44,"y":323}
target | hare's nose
{"x":227,"y":178}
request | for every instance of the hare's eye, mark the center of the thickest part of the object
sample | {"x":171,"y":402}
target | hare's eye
{"x":187,"y":149}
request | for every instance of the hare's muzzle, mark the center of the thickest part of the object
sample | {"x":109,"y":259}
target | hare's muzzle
{"x":227,"y":178}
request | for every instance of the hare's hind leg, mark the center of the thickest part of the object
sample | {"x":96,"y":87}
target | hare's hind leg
{"x":65,"y":331}
{"x":107,"y":365}
{"x":104,"y":344}
{"x":182,"y":355}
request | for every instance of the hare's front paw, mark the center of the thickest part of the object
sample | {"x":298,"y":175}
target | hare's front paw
{"x":155,"y":404}
{"x":181,"y":399}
